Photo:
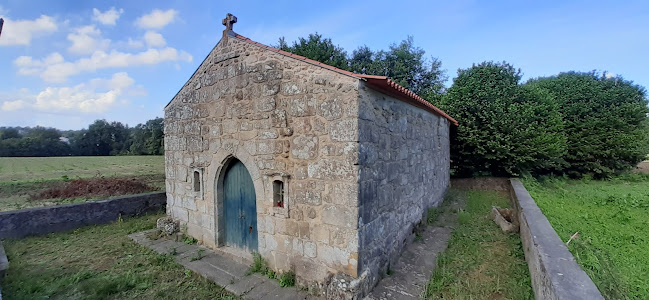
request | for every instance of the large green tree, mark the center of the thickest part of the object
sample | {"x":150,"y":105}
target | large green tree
{"x":605,"y":120}
{"x":317,"y":48}
{"x":403,"y":62}
{"x":406,"y":65}
{"x":102,"y":138}
{"x":505,"y":128}
{"x":148,"y":138}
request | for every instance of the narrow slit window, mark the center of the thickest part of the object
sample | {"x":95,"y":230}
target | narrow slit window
{"x":197,"y":181}
{"x":278,"y":193}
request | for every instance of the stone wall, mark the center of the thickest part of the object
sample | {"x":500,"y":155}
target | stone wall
{"x":404,"y":154}
{"x":283,"y":118}
{"x":43,"y":220}
{"x":554,"y":272}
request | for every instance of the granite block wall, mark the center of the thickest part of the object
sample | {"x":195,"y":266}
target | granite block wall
{"x":285,"y":120}
{"x":404,"y":159}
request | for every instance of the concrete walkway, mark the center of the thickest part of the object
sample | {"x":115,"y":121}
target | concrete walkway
{"x":222,"y":270}
{"x":418,"y":261}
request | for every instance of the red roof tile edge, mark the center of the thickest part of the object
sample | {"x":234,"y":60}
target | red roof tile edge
{"x":381,"y":83}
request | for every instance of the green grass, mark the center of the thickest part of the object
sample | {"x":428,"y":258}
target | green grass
{"x":481,"y":262}
{"x":99,"y":262}
{"x":21,"y":177}
{"x":30,"y":169}
{"x":612,"y":218}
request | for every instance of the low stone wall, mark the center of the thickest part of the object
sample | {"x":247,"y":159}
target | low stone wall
{"x":554,"y":271}
{"x":4,"y":264}
{"x":43,"y":220}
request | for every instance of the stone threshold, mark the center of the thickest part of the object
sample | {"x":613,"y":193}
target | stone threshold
{"x":222,"y":270}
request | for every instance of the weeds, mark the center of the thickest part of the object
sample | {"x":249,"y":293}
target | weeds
{"x":432,"y":216}
{"x":259,"y":265}
{"x":287,"y":279}
{"x":418,"y":237}
{"x":198,"y":256}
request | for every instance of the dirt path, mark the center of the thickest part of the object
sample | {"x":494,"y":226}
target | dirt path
{"x":417,"y":263}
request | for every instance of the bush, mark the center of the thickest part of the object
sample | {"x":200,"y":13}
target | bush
{"x":605,"y":121}
{"x":505,"y":128}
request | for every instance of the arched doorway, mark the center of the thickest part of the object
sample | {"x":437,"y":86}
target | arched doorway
{"x":239,"y":207}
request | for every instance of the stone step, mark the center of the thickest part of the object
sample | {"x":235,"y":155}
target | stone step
{"x":222,"y":270}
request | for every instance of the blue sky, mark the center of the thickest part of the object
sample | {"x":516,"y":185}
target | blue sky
{"x":66,"y":63}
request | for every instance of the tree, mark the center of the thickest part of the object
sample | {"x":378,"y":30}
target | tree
{"x":102,"y":138}
{"x":9,"y":133}
{"x":405,"y":64}
{"x":319,"y":49}
{"x":148,"y":138}
{"x":605,"y":121}
{"x":37,"y":141}
{"x":505,"y":128}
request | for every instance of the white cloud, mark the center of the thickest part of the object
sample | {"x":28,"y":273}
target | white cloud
{"x":86,"y":40}
{"x":157,"y":19}
{"x":119,"y":81}
{"x":108,"y":17}
{"x":134,"y":43}
{"x":12,"y":105}
{"x":154,"y":39}
{"x":95,"y":96}
{"x":54,"y":69}
{"x":21,"y":32}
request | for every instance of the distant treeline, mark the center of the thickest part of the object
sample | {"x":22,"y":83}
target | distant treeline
{"x":101,"y":138}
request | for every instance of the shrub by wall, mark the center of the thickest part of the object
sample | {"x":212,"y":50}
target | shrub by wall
{"x":605,"y":121}
{"x":505,"y":128}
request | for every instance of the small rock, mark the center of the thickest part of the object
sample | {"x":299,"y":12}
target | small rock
{"x":168,"y":225}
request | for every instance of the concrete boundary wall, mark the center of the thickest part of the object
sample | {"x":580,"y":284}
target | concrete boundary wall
{"x":554,"y":271}
{"x":43,"y":220}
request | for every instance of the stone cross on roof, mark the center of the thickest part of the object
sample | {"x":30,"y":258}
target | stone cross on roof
{"x":229,"y":21}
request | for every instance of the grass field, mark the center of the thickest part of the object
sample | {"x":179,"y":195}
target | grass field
{"x":481,"y":262}
{"x":612,"y":218}
{"x":23,"y":177}
{"x":21,"y":169}
{"x":99,"y":262}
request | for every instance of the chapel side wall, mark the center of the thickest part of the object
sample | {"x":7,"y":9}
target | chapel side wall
{"x":405,"y":159}
{"x":279,"y":116}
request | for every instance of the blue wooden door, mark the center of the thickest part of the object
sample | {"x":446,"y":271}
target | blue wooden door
{"x":240,"y":207}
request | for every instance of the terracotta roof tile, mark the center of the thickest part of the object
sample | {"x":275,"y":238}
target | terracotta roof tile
{"x":381,"y":83}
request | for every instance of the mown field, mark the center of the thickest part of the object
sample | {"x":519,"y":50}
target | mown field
{"x":31,"y":181}
{"x":481,"y":262}
{"x":99,"y":262}
{"x":612,"y":219}
{"x":21,"y":169}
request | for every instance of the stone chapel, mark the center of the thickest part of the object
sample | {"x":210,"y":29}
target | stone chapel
{"x":321,"y":171}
